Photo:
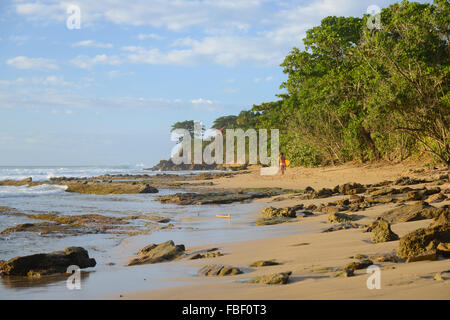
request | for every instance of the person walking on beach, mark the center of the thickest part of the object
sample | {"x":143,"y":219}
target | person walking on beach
{"x":282,"y":163}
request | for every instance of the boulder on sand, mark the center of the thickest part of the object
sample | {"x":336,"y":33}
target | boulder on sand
{"x":382,"y":232}
{"x":276,"y":278}
{"x":272,"y":212}
{"x":264,"y":263}
{"x":37,"y":265}
{"x":339,"y":218}
{"x":413,"y":212}
{"x":424,"y":241}
{"x":165,"y":251}
{"x":362,"y":264}
{"x":218,"y":270}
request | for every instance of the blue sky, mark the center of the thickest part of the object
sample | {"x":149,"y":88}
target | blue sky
{"x":107,"y":93}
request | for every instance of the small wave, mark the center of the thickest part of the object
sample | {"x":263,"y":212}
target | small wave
{"x":24,"y":191}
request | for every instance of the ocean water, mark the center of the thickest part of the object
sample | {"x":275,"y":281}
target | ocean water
{"x":193,"y":226}
{"x":42,"y":173}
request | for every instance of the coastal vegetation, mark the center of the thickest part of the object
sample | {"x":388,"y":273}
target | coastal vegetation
{"x":360,"y":93}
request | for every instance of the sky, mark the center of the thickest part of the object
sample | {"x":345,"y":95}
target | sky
{"x":107,"y":93}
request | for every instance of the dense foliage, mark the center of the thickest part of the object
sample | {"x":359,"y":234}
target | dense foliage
{"x":366,"y":94}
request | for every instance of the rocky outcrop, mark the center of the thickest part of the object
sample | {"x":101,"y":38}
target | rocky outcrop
{"x":424,"y":241}
{"x":48,"y":228}
{"x":23,"y":182}
{"x":351,"y":188}
{"x":362,"y":264}
{"x":37,"y":265}
{"x":382,"y":232}
{"x":339,"y":218}
{"x":206,"y":255}
{"x":344,"y":273}
{"x":264,"y":263}
{"x":166,"y":251}
{"x":417,"y":211}
{"x":216,"y":197}
{"x":344,"y":226}
{"x":437,"y":197}
{"x":218,"y":270}
{"x":272,"y":221}
{"x":103,"y":188}
{"x":271,"y":212}
{"x":276,"y":278}
{"x":168,"y":165}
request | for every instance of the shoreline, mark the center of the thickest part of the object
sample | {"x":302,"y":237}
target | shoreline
{"x":307,"y":255}
{"x":300,"y":246}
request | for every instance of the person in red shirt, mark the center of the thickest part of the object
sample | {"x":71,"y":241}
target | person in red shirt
{"x":282,"y":163}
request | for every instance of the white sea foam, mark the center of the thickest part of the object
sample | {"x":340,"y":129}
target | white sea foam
{"x":25,"y":191}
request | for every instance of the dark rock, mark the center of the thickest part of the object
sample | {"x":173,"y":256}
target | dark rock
{"x":423,"y":241}
{"x":438,"y":197}
{"x":272,"y":221}
{"x":216,"y":197}
{"x":168,"y":165}
{"x":271,"y":212}
{"x":323,"y":193}
{"x":149,"y":189}
{"x":339,"y":218}
{"x":146,"y":249}
{"x":417,"y":211}
{"x":37,"y":265}
{"x":345,"y":273}
{"x":264,"y":263}
{"x":162,"y":252}
{"x":218,"y":270}
{"x":343,"y":226}
{"x":385,"y":258}
{"x":362,"y":264}
{"x":351,"y":188}
{"x":383,"y":233}
{"x":406,"y":181}
{"x":422,"y":257}
{"x":276,"y":278}
{"x":206,"y":255}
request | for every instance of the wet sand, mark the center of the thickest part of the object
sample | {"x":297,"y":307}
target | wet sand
{"x":312,"y":256}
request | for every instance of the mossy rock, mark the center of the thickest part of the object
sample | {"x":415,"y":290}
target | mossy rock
{"x":206,"y":255}
{"x":383,"y":233}
{"x":423,"y":241}
{"x":218,"y":270}
{"x":362,"y":264}
{"x":104,"y":188}
{"x":339,"y":218}
{"x":272,"y":221}
{"x":37,"y":265}
{"x":162,"y":252}
{"x":344,"y":273}
{"x":276,"y":278}
{"x":272,"y":212}
{"x":264,"y":263}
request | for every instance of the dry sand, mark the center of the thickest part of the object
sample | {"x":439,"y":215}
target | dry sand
{"x":307,"y":254}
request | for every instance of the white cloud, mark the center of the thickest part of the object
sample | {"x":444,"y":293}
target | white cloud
{"x":92,"y":43}
{"x":226,"y":32}
{"x":201,"y":101}
{"x":22,"y":62}
{"x":143,"y":36}
{"x":59,"y":101}
{"x":52,"y":80}
{"x":226,"y":51}
{"x":86,"y":62}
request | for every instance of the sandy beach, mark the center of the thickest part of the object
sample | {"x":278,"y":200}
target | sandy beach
{"x":314,"y":257}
